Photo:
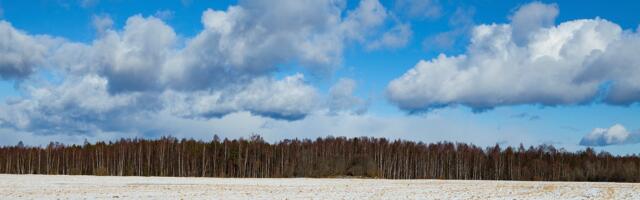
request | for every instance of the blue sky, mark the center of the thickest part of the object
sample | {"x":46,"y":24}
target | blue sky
{"x":105,"y":69}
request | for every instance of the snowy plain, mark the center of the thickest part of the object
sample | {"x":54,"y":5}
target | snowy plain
{"x":109,"y":187}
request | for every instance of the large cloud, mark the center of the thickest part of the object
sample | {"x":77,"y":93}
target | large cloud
{"x":614,"y":135}
{"x":526,"y":62}
{"x":124,"y":76}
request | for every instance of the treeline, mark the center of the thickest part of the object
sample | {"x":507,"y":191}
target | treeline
{"x":323,"y":157}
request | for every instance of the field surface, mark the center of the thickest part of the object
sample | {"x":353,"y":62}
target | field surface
{"x":106,"y":187}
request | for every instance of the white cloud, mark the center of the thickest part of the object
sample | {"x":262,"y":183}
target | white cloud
{"x":83,"y":105}
{"x":559,"y":65}
{"x":254,"y":36}
{"x":289,"y":98}
{"x":614,"y":135}
{"x":131,"y":60}
{"x":126,"y":75}
{"x":245,"y":41}
{"x":80,"y":105}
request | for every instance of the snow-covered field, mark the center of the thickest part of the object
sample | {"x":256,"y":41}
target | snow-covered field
{"x":82,"y":187}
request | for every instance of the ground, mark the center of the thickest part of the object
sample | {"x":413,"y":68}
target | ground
{"x":109,"y":187}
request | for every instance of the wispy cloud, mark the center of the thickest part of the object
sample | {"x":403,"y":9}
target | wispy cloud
{"x":88,"y":3}
{"x":526,"y":116}
{"x":461,"y":23}
{"x":422,"y":9}
{"x":102,"y":23}
{"x":164,"y":14}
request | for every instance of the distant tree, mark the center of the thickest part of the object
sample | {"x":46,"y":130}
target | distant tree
{"x":322,"y":157}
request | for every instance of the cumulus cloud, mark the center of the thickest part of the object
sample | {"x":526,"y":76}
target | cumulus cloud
{"x":131,"y":59}
{"x":254,"y":36}
{"x":126,"y":75}
{"x":614,"y":135}
{"x":289,"y":98}
{"x":80,"y":105}
{"x":20,"y":53}
{"x":341,"y":98}
{"x":242,"y":42}
{"x":570,"y":63}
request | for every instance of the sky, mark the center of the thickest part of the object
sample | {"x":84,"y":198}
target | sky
{"x":486,"y":72}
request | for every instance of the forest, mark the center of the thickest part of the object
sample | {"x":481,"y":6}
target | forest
{"x":363,"y":157}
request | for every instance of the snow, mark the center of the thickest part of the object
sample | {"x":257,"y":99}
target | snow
{"x":109,"y":187}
